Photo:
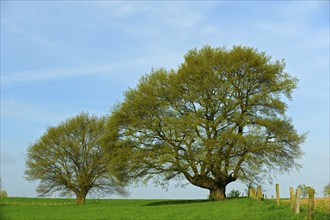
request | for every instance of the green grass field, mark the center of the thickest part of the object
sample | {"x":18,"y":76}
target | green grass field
{"x":241,"y":208}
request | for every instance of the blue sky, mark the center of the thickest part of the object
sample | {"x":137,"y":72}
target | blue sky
{"x":61,"y":58}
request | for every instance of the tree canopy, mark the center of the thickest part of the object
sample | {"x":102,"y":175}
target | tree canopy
{"x":218,"y":118}
{"x":326,"y":190}
{"x":304,"y":190}
{"x":69,"y":158}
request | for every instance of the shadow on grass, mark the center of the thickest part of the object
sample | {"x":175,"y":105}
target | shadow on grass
{"x":175,"y":202}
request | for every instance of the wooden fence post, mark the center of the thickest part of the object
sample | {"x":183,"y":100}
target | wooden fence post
{"x":259,"y":193}
{"x":277,"y":194}
{"x":311,"y":193}
{"x":253,"y":193}
{"x":297,"y":205}
{"x":292,"y":198}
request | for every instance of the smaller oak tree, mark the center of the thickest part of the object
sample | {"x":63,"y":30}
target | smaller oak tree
{"x":326,"y":190}
{"x":304,"y":190}
{"x":69,"y":158}
{"x":3,"y":193}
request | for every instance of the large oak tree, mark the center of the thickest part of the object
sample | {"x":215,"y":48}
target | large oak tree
{"x":218,"y":118}
{"x":69,"y":158}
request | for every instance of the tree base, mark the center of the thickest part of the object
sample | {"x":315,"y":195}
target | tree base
{"x":217,"y":193}
{"x":80,"y":201}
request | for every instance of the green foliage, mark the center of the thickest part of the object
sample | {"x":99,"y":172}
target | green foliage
{"x":69,"y":158}
{"x":28,"y":208}
{"x":3,"y":193}
{"x":219,"y":117}
{"x":304,"y":190}
{"x":326,"y":190}
{"x":234,"y":194}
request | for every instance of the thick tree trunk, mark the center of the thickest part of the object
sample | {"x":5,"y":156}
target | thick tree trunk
{"x":217,"y":193}
{"x":216,"y":186}
{"x":81,"y":198}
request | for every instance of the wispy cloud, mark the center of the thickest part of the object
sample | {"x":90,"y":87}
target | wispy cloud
{"x":155,"y":19}
{"x":37,"y":38}
{"x":27,"y":114}
{"x":51,"y":74}
{"x":179,"y":16}
{"x":119,"y":10}
{"x":116,"y":70}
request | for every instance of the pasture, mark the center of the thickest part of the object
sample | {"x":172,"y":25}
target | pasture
{"x":240,"y":208}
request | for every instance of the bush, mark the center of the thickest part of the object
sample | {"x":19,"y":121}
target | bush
{"x":326,"y":190}
{"x":304,"y":190}
{"x":234,"y":194}
{"x":3,"y":193}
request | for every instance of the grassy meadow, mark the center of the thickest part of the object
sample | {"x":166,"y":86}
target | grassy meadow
{"x":319,"y":203}
{"x":240,"y":208}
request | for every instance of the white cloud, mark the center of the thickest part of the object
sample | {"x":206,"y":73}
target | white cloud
{"x":28,"y":114}
{"x":37,"y":38}
{"x":299,"y":9}
{"x":119,"y":10}
{"x":152,"y":19}
{"x":179,"y":16}
{"x":125,"y":72}
{"x":117,"y":71}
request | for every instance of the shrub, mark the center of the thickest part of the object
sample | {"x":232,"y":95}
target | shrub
{"x":234,"y":194}
{"x":3,"y":193}
{"x":304,"y":190}
{"x":326,"y":190}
